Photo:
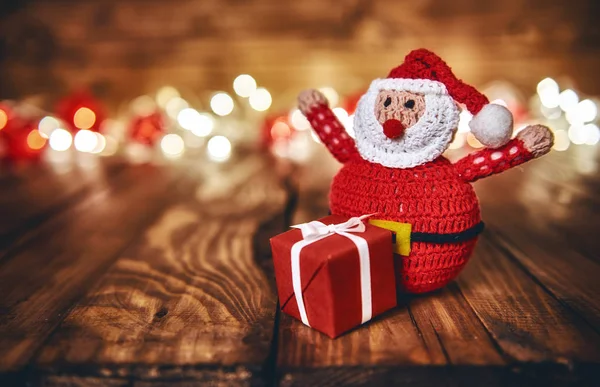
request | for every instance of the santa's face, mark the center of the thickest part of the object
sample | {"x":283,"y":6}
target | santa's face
{"x":405,"y":125}
{"x":398,"y":110}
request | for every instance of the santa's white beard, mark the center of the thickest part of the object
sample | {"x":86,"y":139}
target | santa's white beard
{"x":423,"y":142}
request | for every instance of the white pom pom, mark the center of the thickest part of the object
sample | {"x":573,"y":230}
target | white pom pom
{"x":493,"y":125}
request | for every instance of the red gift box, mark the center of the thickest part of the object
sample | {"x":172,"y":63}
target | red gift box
{"x":343,"y":268}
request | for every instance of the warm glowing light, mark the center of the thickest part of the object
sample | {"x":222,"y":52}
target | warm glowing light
{"x":206,"y":124}
{"x":547,"y":84}
{"x":350,"y":126}
{"x":219,"y":148}
{"x":60,"y":140}
{"x":143,"y":105}
{"x":473,"y":142}
{"x":561,"y":140}
{"x":551,"y":113}
{"x":260,"y":100}
{"x":84,"y":118}
{"x":201,"y":124}
{"x":3,"y":119}
{"x":166,"y":94}
{"x":244,"y":85}
{"x":458,"y":142}
{"x":172,"y":145}
{"x":586,"y":110}
{"x":281,"y":148}
{"x":592,"y":133}
{"x":280,"y":130}
{"x":221,"y":104}
{"x":100,"y":143}
{"x":174,"y":106}
{"x":114,"y":128}
{"x":47,"y":125}
{"x":463,"y":121}
{"x":298,"y":120}
{"x":568,"y":99}
{"x":346,"y":120}
{"x":573,"y":117}
{"x":35,"y":140}
{"x":548,"y":92}
{"x":341,"y":114}
{"x":331,"y":95}
{"x":110,"y":147}
{"x":315,"y":137}
{"x":188,"y":118}
{"x":577,"y":134}
{"x":85,"y":141}
{"x":299,"y":148}
{"x":500,"y":101}
{"x":138,"y":153}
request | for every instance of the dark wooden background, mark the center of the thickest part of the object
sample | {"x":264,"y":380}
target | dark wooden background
{"x":124,"y":48}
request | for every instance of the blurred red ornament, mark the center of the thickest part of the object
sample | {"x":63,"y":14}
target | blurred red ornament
{"x":81,"y":110}
{"x":147,"y":130}
{"x":20,"y":139}
{"x":275,"y":127}
{"x":519,"y":112}
{"x":349,"y":103}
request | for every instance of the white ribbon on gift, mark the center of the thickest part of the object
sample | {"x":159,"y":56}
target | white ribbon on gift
{"x":315,"y":231}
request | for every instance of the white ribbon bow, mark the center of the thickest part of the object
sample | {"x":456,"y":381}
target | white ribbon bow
{"x":315,"y":231}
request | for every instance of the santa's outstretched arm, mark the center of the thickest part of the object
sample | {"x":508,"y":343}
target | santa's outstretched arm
{"x":532,"y":142}
{"x":315,"y":107}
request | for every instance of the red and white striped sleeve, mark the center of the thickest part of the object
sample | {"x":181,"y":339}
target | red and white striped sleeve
{"x":326,"y":125}
{"x":532,"y":142}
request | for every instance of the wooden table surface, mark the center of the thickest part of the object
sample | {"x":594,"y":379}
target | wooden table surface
{"x":147,"y":275}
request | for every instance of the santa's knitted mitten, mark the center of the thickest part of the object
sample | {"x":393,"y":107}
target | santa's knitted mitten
{"x":314,"y":106}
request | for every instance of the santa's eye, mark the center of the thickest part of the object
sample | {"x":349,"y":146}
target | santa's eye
{"x":387,"y":102}
{"x":409,"y":104}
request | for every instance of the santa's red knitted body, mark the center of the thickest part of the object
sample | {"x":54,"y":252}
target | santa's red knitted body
{"x":396,"y":170}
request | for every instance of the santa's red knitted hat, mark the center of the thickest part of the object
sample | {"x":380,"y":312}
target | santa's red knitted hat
{"x":492,"y":124}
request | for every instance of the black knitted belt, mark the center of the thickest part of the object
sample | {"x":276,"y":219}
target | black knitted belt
{"x":455,"y":237}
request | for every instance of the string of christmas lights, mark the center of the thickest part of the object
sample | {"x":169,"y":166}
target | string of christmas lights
{"x":166,"y":126}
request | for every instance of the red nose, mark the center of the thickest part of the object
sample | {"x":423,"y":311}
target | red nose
{"x":393,"y":128}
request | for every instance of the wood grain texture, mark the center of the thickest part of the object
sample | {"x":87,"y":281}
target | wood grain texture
{"x":574,"y":217}
{"x":451,"y":330}
{"x":528,"y":324}
{"x":126,"y":48}
{"x":543,"y":251}
{"x":40,"y":283}
{"x":189,"y":300}
{"x":34,"y":194}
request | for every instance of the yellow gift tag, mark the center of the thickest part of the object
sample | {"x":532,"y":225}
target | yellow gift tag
{"x":402,"y":231}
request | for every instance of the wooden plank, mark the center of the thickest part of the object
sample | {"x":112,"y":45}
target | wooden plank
{"x":447,"y":323}
{"x":190,"y":301}
{"x":527,"y":322}
{"x":319,"y":42}
{"x":38,"y":193}
{"x":567,"y":179}
{"x":32,"y":189}
{"x":519,"y":210}
{"x":465,"y":376}
{"x":40,"y":283}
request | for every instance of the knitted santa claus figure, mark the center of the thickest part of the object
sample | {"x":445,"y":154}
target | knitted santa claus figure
{"x":396,"y":170}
